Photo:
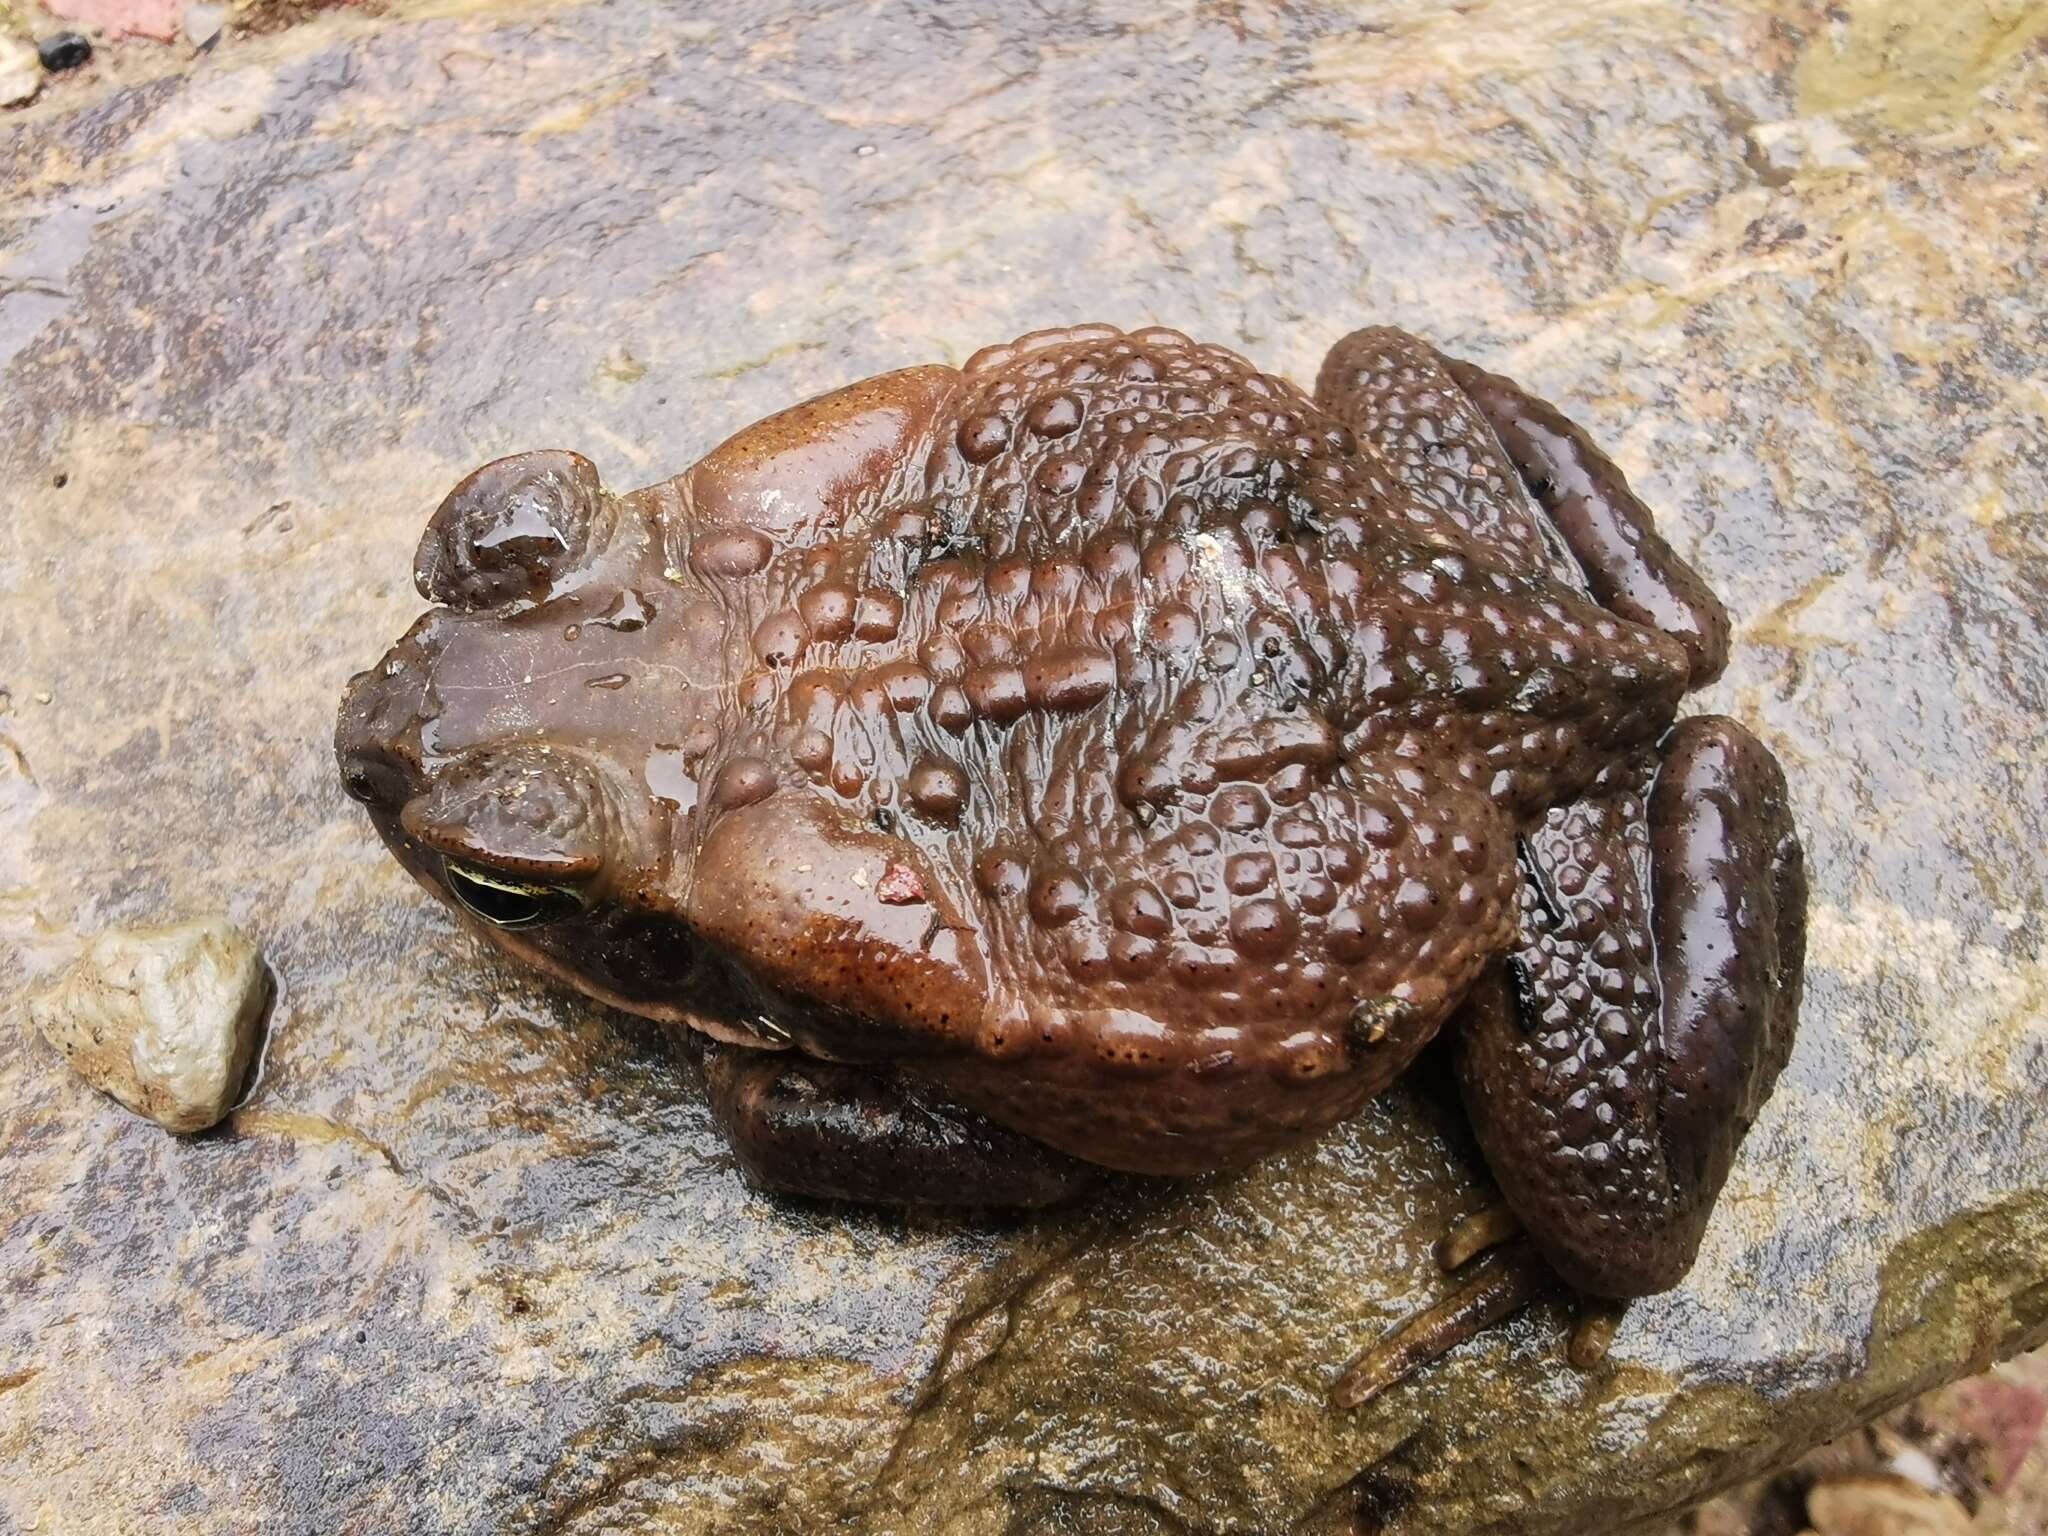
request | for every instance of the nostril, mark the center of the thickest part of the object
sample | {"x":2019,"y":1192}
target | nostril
{"x":361,"y":785}
{"x":375,"y":781}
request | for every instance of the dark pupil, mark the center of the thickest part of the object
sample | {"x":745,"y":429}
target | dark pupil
{"x":508,"y":903}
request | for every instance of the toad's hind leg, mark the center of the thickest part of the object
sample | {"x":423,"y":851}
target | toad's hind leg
{"x":1475,"y":448}
{"x":1614,"y":1061}
{"x":1629,"y":568}
{"x":843,"y":1132}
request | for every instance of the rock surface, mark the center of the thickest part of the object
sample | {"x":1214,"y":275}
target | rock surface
{"x":164,"y":1019}
{"x":260,"y":310}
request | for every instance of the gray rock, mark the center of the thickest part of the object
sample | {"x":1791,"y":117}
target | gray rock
{"x":481,"y":1234}
{"x":21,"y":70}
{"x":164,"y":1019}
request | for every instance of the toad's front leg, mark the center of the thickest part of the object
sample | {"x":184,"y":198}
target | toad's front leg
{"x":843,"y":1132}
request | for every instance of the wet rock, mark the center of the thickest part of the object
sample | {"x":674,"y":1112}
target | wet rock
{"x":490,"y":1228}
{"x":21,"y":72}
{"x":64,"y":50}
{"x":164,"y":1019}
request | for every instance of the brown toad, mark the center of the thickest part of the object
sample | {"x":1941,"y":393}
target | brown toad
{"x":1106,"y":754}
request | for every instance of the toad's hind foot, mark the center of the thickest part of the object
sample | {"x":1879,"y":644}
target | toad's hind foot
{"x":1594,"y":1326}
{"x":1483,"y":1229}
{"x":1507,"y":1278}
{"x":1497,"y":1286}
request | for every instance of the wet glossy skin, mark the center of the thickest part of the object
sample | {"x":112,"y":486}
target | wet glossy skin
{"x":1105,"y":754}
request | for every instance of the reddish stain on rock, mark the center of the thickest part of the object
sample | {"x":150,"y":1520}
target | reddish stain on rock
{"x":123,"y":18}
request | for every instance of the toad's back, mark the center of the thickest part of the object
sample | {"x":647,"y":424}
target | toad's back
{"x":1198,"y":731}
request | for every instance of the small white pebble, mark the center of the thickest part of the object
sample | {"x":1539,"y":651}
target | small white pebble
{"x":204,"y":22}
{"x":1913,"y":1463}
{"x":164,"y":1019}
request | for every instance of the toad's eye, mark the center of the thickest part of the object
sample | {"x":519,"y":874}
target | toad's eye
{"x":508,"y":903}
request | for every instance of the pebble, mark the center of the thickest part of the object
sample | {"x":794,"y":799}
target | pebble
{"x":65,"y":50}
{"x":163,"y":1019}
{"x":203,"y":23}
{"x":21,"y":71}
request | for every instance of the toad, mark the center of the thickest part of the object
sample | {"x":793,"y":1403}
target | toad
{"x":1107,"y":755}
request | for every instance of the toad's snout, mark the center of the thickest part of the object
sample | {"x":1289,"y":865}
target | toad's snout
{"x":380,"y":737}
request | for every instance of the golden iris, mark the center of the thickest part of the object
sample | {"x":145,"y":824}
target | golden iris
{"x":505,"y":902}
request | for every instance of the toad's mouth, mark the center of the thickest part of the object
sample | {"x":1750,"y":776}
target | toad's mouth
{"x":640,"y":964}
{"x":639,"y":961}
